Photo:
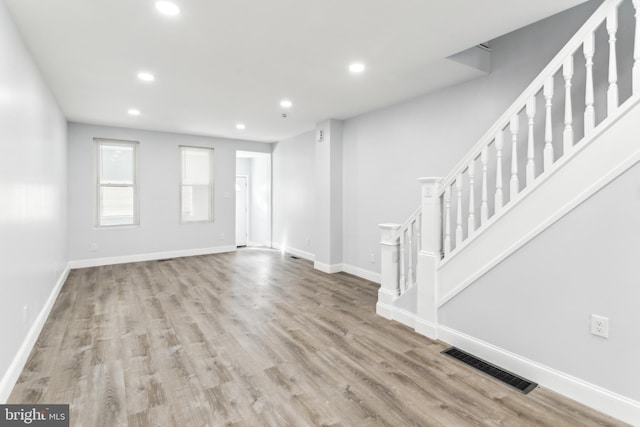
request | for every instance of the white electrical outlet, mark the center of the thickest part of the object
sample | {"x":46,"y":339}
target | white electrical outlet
{"x":308,"y":241}
{"x":222,"y":236}
{"x":372,"y":258}
{"x":25,"y":314}
{"x":94,"y":247}
{"x":600,"y":326}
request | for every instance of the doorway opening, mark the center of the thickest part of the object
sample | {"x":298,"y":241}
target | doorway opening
{"x":253,"y":199}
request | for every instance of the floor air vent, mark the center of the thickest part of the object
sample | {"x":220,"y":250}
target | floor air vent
{"x":508,"y":378}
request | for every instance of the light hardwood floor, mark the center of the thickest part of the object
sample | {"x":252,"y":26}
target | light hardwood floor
{"x":253,"y":338}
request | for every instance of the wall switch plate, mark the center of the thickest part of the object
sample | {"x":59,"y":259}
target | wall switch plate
{"x":372,"y":258}
{"x":222,"y":236}
{"x":600,"y":326}
{"x":25,"y":314}
{"x":94,"y":247}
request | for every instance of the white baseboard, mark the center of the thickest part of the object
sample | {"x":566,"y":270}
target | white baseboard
{"x":405,"y":317}
{"x":398,"y":314}
{"x":596,"y":397}
{"x":384,"y":310}
{"x":327,"y":268}
{"x":296,"y":252}
{"x":428,"y":329}
{"x":372,"y":276}
{"x":96,"y":262}
{"x":17,"y":364}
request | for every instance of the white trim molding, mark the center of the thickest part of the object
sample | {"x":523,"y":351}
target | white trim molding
{"x":17,"y":364}
{"x":398,"y":314}
{"x":369,"y":275}
{"x":96,"y":262}
{"x":385,"y":310}
{"x":327,"y":268}
{"x":426,"y":328}
{"x":596,"y":397}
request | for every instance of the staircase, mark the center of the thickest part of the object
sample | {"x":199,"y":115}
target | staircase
{"x":572,"y":131}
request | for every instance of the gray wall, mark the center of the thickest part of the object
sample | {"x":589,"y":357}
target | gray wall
{"x":294,"y":192}
{"x":160,"y":229}
{"x":33,"y":217}
{"x":386,"y":151}
{"x":586,"y":263}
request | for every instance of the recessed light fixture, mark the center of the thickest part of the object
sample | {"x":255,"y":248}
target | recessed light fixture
{"x":240,"y":126}
{"x":167,"y":8}
{"x":356,"y":67}
{"x":285,"y":103}
{"x":133,"y":112}
{"x":147,"y":77}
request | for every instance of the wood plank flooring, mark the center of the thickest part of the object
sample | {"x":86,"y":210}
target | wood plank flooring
{"x":254,"y":338}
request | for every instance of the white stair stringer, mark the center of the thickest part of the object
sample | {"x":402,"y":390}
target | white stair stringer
{"x":596,"y":160}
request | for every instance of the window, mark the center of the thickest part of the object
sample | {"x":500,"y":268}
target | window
{"x":196,"y":194}
{"x":117,"y":192}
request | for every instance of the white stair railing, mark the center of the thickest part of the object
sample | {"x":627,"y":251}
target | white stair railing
{"x":523,"y":161}
{"x":447,"y":219}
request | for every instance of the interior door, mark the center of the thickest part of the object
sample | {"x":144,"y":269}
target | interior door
{"x":242,"y":210}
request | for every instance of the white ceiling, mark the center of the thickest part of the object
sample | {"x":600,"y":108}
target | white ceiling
{"x":226,"y":61}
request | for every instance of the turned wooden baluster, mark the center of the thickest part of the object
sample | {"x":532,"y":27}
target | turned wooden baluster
{"x":514,"y":184}
{"x":548,"y":125}
{"x":588,"y":47}
{"x":612,"y":92}
{"x":419,"y":232}
{"x":531,"y":163}
{"x":447,"y":220}
{"x":567,"y":136}
{"x":410,"y":232}
{"x":459,"y":211}
{"x":636,"y":50}
{"x":401,"y":253}
{"x":472,"y":204}
{"x":484,"y":207}
{"x":499,"y":143}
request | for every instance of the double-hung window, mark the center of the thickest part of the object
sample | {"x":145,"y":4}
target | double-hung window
{"x":196,"y":189}
{"x":117,"y":183}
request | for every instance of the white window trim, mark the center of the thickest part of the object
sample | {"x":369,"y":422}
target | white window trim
{"x":136,"y":190}
{"x":211,"y":218}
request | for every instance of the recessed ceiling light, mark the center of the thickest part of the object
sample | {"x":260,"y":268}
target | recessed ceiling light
{"x":147,"y":77}
{"x":240,"y":126}
{"x":285,"y":103}
{"x":134,"y":112}
{"x":356,"y":67}
{"x":167,"y":8}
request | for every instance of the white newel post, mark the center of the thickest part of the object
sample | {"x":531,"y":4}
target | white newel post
{"x":389,"y":270}
{"x":428,"y":258}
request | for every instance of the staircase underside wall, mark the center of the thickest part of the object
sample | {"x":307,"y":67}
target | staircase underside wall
{"x":535,"y":305}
